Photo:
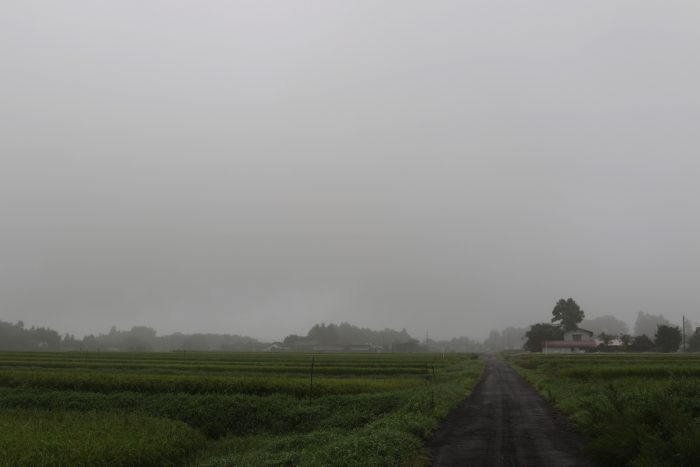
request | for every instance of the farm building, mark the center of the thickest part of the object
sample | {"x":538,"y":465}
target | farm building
{"x":347,"y":348}
{"x":578,"y":340}
{"x":275,"y":347}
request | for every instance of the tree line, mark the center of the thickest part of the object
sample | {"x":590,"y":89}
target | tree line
{"x":651,"y":332}
{"x":345,"y":333}
{"x":567,"y":316}
{"x":138,"y":338}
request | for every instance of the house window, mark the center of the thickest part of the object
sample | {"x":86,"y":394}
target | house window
{"x":576,"y":337}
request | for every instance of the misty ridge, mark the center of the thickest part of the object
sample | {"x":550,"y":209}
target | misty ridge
{"x":328,"y":338}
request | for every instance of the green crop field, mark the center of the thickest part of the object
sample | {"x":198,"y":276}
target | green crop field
{"x":220,"y":409}
{"x":633,"y":409}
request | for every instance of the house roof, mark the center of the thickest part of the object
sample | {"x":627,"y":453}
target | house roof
{"x":581,"y":330}
{"x":566,"y":344}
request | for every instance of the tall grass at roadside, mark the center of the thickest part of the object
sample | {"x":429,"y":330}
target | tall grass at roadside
{"x":642,"y":414}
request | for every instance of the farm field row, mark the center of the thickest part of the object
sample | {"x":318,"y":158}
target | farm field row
{"x":254,"y":409}
{"x":633,"y":409}
{"x":334,"y":364}
{"x":237,"y":357}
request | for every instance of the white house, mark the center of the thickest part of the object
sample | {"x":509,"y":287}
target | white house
{"x":578,"y":340}
{"x":275,"y":347}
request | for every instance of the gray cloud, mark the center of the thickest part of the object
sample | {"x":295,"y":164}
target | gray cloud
{"x":256,"y":167}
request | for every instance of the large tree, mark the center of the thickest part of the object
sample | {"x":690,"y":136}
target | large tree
{"x":606,"y":338}
{"x":647,"y":323}
{"x":668,"y":338}
{"x":641,"y":344}
{"x":626,"y":339}
{"x":694,"y":342}
{"x":539,"y":333}
{"x":509,"y":338}
{"x":568,"y":314}
{"x":606,"y":323}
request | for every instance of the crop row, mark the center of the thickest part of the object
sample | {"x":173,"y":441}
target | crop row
{"x":219,"y":414}
{"x":554,"y":362}
{"x":258,"y":385}
{"x":242,"y":357}
{"x":626,"y":371}
{"x":199,"y":368}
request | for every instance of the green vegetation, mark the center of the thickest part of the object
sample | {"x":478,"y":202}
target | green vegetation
{"x":218,"y":408}
{"x":192,"y":384}
{"x":34,"y":437}
{"x":668,"y":338}
{"x":634,"y":409}
{"x":540,"y":332}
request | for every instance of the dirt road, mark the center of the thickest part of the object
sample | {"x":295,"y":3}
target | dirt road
{"x":505,"y":423}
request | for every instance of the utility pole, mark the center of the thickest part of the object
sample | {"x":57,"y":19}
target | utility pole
{"x":683,"y":333}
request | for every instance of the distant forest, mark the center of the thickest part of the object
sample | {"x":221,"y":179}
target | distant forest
{"x":144,"y":339}
{"x":138,"y":338}
{"x":320,"y":336}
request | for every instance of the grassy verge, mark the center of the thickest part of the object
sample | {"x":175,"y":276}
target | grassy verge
{"x":630,"y":415}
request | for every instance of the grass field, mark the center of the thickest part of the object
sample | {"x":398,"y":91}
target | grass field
{"x":633,"y":409}
{"x":220,"y":409}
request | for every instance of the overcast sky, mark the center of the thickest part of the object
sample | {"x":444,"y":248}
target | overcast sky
{"x":255,"y":167}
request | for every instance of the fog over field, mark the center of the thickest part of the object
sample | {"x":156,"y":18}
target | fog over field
{"x":255,"y":167}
